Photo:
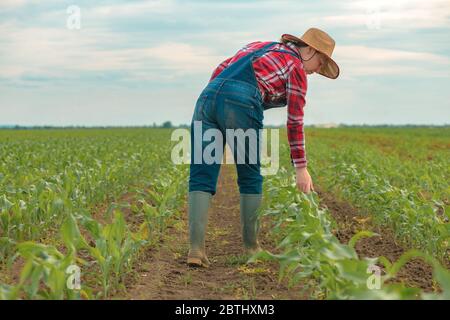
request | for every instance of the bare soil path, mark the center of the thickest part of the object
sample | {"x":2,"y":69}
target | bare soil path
{"x":165,"y":275}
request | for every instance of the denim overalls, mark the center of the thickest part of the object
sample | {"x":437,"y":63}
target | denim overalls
{"x":231,"y":101}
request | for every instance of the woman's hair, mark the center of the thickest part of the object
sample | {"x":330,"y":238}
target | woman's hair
{"x":298,"y":44}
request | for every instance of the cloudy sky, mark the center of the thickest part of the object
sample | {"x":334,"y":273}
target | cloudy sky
{"x":139,"y":62}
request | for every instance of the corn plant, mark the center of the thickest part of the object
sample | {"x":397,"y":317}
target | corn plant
{"x":50,"y":186}
{"x":312,"y":255}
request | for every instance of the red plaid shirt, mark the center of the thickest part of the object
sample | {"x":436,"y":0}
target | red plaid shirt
{"x":281,"y":79}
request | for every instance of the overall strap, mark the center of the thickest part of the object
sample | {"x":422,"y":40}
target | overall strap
{"x":242,"y":68}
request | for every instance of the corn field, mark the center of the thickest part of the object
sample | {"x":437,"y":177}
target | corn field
{"x":101,"y":200}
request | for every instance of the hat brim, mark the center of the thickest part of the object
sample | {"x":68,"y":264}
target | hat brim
{"x":330,"y":69}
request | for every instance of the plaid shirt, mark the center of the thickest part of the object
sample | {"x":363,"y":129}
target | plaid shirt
{"x":281,"y":79}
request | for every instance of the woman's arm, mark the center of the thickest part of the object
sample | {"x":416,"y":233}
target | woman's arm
{"x":296,"y":88}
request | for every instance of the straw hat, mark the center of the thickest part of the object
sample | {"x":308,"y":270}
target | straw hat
{"x":323,"y":43}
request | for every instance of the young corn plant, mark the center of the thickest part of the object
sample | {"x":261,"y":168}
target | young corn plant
{"x":165,"y":197}
{"x":114,"y":249}
{"x":414,"y":219}
{"x":44,"y":275}
{"x":311,"y":254}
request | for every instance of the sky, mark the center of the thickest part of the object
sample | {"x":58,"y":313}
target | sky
{"x":120,"y":63}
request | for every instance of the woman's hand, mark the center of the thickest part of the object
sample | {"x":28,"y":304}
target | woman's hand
{"x":304,"y":181}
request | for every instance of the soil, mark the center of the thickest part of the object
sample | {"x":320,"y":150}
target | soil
{"x":164,"y":274}
{"x":416,"y":272}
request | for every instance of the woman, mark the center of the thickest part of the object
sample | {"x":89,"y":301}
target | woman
{"x":260,"y":76}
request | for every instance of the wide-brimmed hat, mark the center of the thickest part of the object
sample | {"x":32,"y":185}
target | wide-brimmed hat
{"x":322,"y":42}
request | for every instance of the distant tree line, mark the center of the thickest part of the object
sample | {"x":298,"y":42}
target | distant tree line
{"x":168,"y":125}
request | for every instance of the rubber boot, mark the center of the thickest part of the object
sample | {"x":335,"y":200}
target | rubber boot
{"x":198,"y":218}
{"x":249,"y":222}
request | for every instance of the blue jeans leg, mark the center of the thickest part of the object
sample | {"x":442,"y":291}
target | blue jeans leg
{"x":203,"y":176}
{"x":243,"y":115}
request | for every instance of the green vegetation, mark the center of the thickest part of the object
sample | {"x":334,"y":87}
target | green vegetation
{"x":398,"y":176}
{"x":52,"y":186}
{"x":98,"y":198}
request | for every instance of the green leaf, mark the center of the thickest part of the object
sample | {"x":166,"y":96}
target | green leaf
{"x":361,"y":234}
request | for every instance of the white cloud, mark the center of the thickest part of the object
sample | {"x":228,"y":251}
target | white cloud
{"x":12,"y":3}
{"x":132,"y":9}
{"x":62,"y":53}
{"x":15,"y":4}
{"x":113,"y":39}
{"x":363,"y":60}
{"x":400,"y":14}
{"x":380,"y":54}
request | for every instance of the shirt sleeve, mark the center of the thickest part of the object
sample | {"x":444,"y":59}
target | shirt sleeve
{"x":220,"y":68}
{"x":296,"y":87}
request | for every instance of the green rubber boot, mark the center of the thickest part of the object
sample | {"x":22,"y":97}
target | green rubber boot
{"x":249,"y":222}
{"x":198,"y":218}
